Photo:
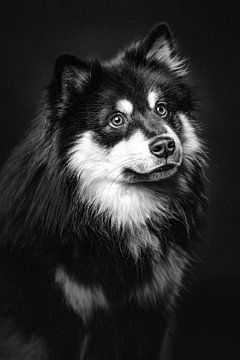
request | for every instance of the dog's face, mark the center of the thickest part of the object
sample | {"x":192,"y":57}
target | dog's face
{"x":127,"y":121}
{"x":132,"y":130}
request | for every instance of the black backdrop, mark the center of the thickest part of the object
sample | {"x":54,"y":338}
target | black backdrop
{"x":33,"y":33}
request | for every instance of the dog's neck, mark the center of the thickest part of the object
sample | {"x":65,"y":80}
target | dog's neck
{"x":125,"y":206}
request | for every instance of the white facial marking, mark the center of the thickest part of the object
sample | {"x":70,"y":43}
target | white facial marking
{"x":130,"y":151}
{"x":152,"y":99}
{"x":125,"y":106}
{"x":191,"y":143}
{"x":102,"y":185}
{"x":85,"y":156}
{"x":82,"y":298}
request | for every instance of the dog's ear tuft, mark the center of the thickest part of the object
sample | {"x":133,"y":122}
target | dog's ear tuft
{"x":158,"y":46}
{"x":158,"y":38}
{"x":71,"y":73}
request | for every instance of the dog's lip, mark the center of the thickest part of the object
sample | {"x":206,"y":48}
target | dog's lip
{"x":159,"y":168}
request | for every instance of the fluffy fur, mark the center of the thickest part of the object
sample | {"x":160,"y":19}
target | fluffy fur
{"x":97,"y":227}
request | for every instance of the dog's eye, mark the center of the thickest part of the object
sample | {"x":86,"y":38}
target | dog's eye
{"x":117,"y":121}
{"x":161,"y":109}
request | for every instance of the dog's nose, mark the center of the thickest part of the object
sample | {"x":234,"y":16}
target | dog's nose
{"x":162,"y":146}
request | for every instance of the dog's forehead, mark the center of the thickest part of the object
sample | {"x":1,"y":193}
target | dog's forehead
{"x":134,"y":99}
{"x":127,"y":106}
{"x":128,"y":90}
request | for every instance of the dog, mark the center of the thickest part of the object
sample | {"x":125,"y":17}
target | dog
{"x":101,"y":206}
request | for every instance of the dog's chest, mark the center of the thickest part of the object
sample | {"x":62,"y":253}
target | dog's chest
{"x":162,"y":281}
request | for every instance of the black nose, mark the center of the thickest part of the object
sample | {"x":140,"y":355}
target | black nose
{"x":162,"y":146}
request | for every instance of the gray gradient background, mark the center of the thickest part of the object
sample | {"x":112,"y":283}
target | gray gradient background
{"x":33,"y":33}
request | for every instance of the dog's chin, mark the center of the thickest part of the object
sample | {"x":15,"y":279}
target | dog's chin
{"x":156,"y":174}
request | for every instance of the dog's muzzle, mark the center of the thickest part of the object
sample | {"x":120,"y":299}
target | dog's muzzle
{"x":167,"y":153}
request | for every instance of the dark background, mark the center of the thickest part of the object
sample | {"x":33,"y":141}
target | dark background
{"x":33,"y":33}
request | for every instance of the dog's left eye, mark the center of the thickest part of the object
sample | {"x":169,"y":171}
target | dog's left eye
{"x":117,"y":121}
{"x":161,"y":109}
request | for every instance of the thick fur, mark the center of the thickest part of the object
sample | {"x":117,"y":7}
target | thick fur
{"x":94,"y":247}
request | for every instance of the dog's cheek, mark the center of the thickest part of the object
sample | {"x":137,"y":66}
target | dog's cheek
{"x":190,"y":142}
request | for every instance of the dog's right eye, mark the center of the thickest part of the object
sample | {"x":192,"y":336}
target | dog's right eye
{"x":117,"y":121}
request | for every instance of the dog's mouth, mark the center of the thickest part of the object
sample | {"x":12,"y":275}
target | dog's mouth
{"x":156,"y":174}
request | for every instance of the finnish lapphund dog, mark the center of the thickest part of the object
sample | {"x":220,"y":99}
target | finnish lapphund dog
{"x":100,"y":207}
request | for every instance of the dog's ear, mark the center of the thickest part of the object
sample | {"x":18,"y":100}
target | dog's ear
{"x":70,"y":73}
{"x":159,"y":47}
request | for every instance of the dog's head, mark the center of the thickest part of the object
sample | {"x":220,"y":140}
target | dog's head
{"x":126,"y":121}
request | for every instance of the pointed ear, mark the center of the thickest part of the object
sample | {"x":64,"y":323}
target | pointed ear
{"x":158,"y":46}
{"x":71,"y":73}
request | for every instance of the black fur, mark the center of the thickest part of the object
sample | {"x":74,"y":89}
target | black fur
{"x":44,"y":225}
